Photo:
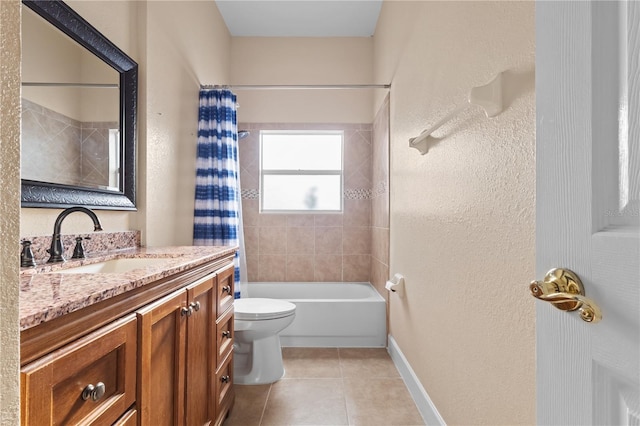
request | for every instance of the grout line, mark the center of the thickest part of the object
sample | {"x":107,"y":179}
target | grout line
{"x":344,"y":388}
{"x":266,"y":401}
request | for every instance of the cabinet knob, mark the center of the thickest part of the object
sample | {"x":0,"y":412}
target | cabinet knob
{"x":226,"y":334}
{"x":195,"y":306}
{"x":93,"y":392}
{"x":226,"y":289}
{"x":225,"y":379}
{"x":186,"y":311}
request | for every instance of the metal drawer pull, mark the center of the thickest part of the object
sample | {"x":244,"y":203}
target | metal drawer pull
{"x":563,"y":288}
{"x":226,"y":334}
{"x":94,"y":392}
{"x":195,"y":306}
{"x":226,"y":289}
{"x":225,"y":379}
{"x":186,"y":311}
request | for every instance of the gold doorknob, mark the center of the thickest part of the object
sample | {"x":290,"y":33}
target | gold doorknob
{"x":565,"y":291}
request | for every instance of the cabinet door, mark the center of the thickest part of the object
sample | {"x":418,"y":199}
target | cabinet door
{"x":90,"y":381}
{"x":200,"y":345}
{"x":161,"y":334}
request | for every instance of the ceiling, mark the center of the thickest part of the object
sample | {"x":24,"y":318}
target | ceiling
{"x":300,"y":18}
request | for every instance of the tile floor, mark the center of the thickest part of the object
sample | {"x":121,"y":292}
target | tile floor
{"x":329,"y":386}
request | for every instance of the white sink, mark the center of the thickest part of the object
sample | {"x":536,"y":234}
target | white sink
{"x":114,"y":266}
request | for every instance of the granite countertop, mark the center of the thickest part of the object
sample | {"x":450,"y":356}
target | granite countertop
{"x":46,"y":294}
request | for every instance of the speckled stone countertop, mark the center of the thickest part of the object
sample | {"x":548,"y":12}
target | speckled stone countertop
{"x":46,"y":294}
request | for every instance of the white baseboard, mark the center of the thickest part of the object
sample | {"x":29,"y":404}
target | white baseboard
{"x":427,"y":410}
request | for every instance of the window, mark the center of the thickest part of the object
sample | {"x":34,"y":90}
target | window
{"x":301,"y":171}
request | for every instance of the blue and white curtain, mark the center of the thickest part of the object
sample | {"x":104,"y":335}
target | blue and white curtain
{"x":217,"y":217}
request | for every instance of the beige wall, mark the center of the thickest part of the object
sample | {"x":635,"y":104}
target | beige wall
{"x":187,"y":44}
{"x":462,"y":216}
{"x":9,"y":210}
{"x":303,"y":61}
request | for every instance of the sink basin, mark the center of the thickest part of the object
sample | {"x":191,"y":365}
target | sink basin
{"x":114,"y":266}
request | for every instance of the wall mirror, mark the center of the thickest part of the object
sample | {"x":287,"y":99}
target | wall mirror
{"x":79,"y":101}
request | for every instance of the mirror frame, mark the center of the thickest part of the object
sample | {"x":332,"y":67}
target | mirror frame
{"x":51,"y":195}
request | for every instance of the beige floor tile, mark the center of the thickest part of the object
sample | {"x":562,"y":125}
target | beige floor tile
{"x":249,"y":405}
{"x":306,"y":402}
{"x":366,"y":362}
{"x":380,"y":402}
{"x":308,"y":363}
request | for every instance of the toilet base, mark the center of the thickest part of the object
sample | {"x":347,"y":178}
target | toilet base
{"x":259,"y":362}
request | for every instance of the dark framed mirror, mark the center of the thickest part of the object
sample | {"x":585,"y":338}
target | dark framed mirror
{"x":79,"y":113}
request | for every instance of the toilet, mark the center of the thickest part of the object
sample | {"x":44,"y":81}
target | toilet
{"x":257,"y":353}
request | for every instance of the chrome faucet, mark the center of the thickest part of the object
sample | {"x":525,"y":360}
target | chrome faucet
{"x":56,"y":251}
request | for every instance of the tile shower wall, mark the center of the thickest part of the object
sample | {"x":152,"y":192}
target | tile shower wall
{"x":76,"y":152}
{"x":310,"y":247}
{"x":380,"y":200}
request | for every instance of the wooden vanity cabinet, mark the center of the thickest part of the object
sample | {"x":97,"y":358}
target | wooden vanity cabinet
{"x":179,"y":373}
{"x":163,"y":353}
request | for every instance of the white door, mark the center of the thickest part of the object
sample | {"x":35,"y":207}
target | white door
{"x":588,"y":204}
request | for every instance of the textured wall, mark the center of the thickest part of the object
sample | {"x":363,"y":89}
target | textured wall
{"x":310,"y":247}
{"x":187,"y":44}
{"x":462,"y":216}
{"x":9,"y":210}
{"x":303,"y":61}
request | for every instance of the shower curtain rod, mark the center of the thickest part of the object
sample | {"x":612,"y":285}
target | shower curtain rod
{"x":295,"y":86}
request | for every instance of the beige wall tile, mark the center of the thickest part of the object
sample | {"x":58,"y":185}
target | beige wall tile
{"x":269,"y":220}
{"x":379,"y":277}
{"x":357,"y":213}
{"x":272,"y":268}
{"x":252,"y":240}
{"x":328,"y":268}
{"x":253,"y":267}
{"x":356,"y":240}
{"x":300,"y":220}
{"x":356,"y":267}
{"x":273,"y":240}
{"x":380,"y":244}
{"x":250,"y":212}
{"x":328,"y":240}
{"x":328,"y":220}
{"x":300,"y":240}
{"x":300,"y":268}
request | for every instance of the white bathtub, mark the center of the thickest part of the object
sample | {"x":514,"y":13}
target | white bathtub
{"x":330,"y":314}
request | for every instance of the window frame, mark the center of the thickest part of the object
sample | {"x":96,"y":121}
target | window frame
{"x":302,"y":172}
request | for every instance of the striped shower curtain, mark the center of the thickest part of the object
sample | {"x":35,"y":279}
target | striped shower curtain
{"x":217,"y":217}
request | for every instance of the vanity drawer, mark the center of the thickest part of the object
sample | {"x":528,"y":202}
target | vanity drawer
{"x":56,"y":389}
{"x":224,"y":393}
{"x":225,"y":333}
{"x":225,"y":289}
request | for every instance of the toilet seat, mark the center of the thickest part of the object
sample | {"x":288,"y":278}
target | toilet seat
{"x":255,"y":308}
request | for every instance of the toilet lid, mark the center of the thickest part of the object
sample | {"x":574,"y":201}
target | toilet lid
{"x":255,"y":308}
